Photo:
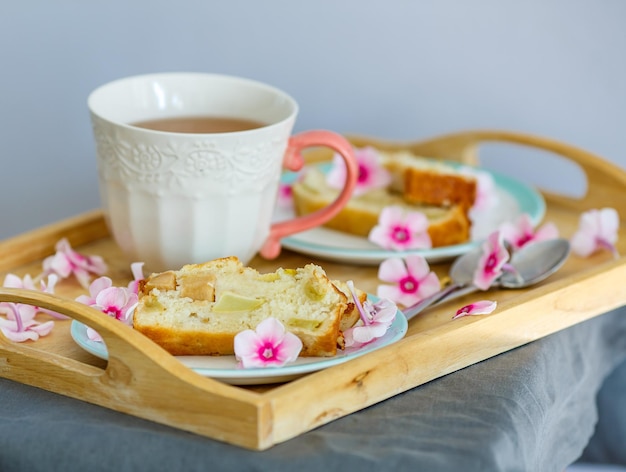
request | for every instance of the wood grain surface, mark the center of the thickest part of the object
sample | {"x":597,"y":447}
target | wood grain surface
{"x":143,"y":380}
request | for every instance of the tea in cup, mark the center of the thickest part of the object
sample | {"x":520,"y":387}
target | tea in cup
{"x":189,"y":166}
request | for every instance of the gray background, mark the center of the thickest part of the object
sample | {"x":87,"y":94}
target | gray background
{"x":396,"y":69}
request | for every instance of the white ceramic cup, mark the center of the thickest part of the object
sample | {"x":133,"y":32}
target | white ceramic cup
{"x":173,"y":198}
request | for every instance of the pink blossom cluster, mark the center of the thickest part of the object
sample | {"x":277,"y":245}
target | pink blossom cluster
{"x":19,"y":323}
{"x":597,"y":230}
{"x":374,"y":319}
{"x":117,"y":302}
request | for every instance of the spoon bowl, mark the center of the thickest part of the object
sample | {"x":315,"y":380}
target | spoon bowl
{"x":531,"y":264}
{"x":537,"y":261}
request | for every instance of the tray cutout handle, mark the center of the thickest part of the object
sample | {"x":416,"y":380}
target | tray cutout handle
{"x":604,"y":179}
{"x":128,"y":350}
{"x":141,"y":379}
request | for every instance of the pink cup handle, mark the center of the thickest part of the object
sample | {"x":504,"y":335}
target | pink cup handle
{"x":293,"y":161}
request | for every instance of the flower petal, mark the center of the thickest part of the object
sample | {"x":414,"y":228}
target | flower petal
{"x":609,"y":224}
{"x":51,"y":283}
{"x":392,"y":270}
{"x":395,"y":270}
{"x":82,"y":276}
{"x":26,"y":312}
{"x":416,"y":221}
{"x":547,"y":231}
{"x":379,"y":236}
{"x":112,"y":297}
{"x":336,"y":176}
{"x":285,"y":195}
{"x":486,"y":195}
{"x":429,"y":285}
{"x":522,"y":232}
{"x":583,"y":243}
{"x":348,"y":338}
{"x":20,"y":336}
{"x":483,"y":307}
{"x":98,"y":285}
{"x":13,"y":281}
{"x":386,"y":310}
{"x":93,"y":335}
{"x":390,"y":216}
{"x":136,"y":268}
{"x":59,"y":263}
{"x":417,"y":266}
{"x":365,"y":334}
{"x":246,"y":344}
{"x":289,"y":349}
{"x":42,"y":329}
{"x":371,"y":174}
{"x":391,"y":292}
{"x":85,"y":300}
{"x":597,"y":229}
{"x":494,"y":256}
{"x":270,"y":330}
{"x":419,"y":241}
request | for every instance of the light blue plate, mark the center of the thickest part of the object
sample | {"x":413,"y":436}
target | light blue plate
{"x":513,"y":199}
{"x":224,"y":368}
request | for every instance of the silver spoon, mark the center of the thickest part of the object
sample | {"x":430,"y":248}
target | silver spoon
{"x":532,"y":264}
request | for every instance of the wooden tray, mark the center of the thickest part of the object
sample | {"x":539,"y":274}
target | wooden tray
{"x":143,"y":380}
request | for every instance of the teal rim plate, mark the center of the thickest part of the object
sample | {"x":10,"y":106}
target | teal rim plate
{"x":225,"y":368}
{"x":513,"y":198}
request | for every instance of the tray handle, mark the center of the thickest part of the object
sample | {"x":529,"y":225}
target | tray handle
{"x":604,"y":179}
{"x":129,"y":352}
{"x":140,"y":378}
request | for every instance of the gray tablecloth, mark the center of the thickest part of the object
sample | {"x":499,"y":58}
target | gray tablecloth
{"x":531,"y":409}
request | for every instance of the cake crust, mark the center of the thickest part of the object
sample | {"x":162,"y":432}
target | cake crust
{"x":447,"y":224}
{"x":199,"y":309}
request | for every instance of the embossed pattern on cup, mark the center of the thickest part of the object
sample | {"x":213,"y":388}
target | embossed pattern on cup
{"x":173,"y":198}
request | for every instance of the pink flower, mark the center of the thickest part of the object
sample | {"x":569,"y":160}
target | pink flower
{"x":14,"y":281}
{"x":25,"y":312}
{"x":269,"y":346}
{"x":372,"y":174}
{"x":20,"y":324}
{"x":19,"y":328}
{"x":491,"y":262}
{"x":136,"y":269}
{"x":285,"y":195}
{"x":521,"y":232}
{"x":486,"y":196}
{"x":597,"y":229}
{"x":483,"y":307}
{"x":97,"y":286}
{"x":116,"y":302}
{"x":413,"y":280}
{"x":27,"y":283}
{"x":66,"y":261}
{"x":284,"y":198}
{"x":397,"y":230}
{"x":374,"y":322}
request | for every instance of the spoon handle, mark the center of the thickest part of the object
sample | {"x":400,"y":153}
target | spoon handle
{"x":450,"y":292}
{"x":420,"y":306}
